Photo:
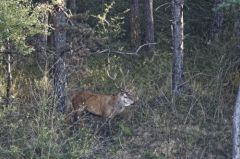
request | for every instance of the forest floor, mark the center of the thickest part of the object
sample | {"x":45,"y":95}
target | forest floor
{"x":150,"y":129}
{"x":155,"y":132}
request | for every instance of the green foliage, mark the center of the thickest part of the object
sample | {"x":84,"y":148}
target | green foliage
{"x":142,"y":75}
{"x":110,"y":26}
{"x":204,"y":110}
{"x":103,"y":73}
{"x":125,"y":129}
{"x":19,"y":20}
{"x":40,"y":133}
{"x":151,"y":155}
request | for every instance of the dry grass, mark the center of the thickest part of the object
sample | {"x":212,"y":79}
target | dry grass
{"x":199,"y":128}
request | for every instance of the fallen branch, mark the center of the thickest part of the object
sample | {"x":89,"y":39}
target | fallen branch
{"x":124,"y":53}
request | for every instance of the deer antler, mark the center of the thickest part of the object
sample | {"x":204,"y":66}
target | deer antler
{"x":111,"y":77}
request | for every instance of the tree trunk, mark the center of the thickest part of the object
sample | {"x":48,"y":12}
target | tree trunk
{"x":59,"y":41}
{"x":217,"y":20}
{"x":177,"y":34}
{"x":134,"y":24}
{"x":8,"y":75}
{"x":236,"y":128}
{"x":150,"y":23}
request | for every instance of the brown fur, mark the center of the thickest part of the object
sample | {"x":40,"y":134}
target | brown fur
{"x":102,"y":105}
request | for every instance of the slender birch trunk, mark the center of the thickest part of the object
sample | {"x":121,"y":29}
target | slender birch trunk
{"x":8,"y":75}
{"x":150,"y":23}
{"x":236,"y":128}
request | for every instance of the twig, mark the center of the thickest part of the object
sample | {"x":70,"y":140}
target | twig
{"x":124,"y":53}
{"x":162,"y":5}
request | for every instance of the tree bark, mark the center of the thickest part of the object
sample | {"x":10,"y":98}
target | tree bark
{"x":236,"y":128}
{"x":8,"y":75}
{"x":177,"y":34}
{"x":217,"y":20}
{"x":59,"y":40}
{"x":150,"y":23}
{"x":134,"y":24}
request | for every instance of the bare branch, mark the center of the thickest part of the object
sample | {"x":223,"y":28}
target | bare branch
{"x":124,"y":53}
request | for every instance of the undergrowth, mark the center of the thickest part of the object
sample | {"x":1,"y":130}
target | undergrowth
{"x":199,"y":128}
